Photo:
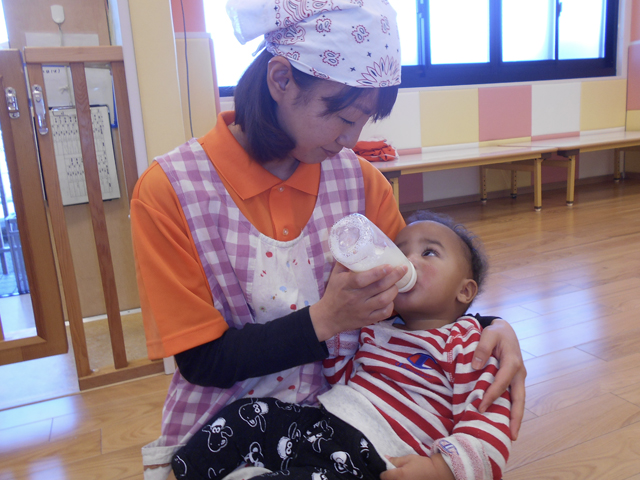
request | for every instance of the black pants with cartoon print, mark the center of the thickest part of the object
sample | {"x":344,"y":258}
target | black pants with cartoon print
{"x":292,"y":441}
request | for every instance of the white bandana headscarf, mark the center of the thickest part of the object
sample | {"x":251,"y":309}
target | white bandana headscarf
{"x":355,"y":42}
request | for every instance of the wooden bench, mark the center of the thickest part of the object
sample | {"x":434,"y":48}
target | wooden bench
{"x":569,"y":147}
{"x":514,"y":158}
{"x":528,"y":156}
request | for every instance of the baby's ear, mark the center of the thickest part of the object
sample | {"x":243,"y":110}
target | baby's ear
{"x":468,"y":291}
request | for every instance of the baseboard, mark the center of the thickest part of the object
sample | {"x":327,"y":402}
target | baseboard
{"x":110,"y":375}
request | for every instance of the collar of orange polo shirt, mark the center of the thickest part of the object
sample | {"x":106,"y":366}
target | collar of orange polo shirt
{"x":266,"y":201}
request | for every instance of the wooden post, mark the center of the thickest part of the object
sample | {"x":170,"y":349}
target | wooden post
{"x":94,"y":193}
{"x":61,"y":237}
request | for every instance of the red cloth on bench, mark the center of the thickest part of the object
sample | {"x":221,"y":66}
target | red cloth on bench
{"x":375,"y":151}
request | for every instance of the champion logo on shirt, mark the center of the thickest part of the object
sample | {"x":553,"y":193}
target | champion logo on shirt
{"x":420,"y":360}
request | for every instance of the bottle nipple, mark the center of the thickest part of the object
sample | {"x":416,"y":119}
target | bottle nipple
{"x":410,"y":278}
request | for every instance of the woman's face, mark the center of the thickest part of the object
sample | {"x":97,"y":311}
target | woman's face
{"x":318,"y":135}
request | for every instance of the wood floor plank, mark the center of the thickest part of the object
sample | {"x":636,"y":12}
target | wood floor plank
{"x":608,"y":270}
{"x":512,"y":314}
{"x":630,"y":393}
{"x":567,"y":279}
{"x":119,"y":412}
{"x":153,"y":384}
{"x":610,"y":457}
{"x":498,"y":297}
{"x":608,"y":294}
{"x":557,"y":364}
{"x":50,"y":456}
{"x":22,"y":437}
{"x":561,"y":392}
{"x":527,"y":356}
{"x":528,"y":415}
{"x":621,"y":344}
{"x":125,"y":463}
{"x":571,"y":426}
{"x":125,"y":433}
{"x":139,"y":476}
{"x":532,"y":285}
{"x":545,"y":324}
{"x":40,"y":411}
{"x":601,"y":329}
{"x":577,"y":262}
{"x":631,"y":305}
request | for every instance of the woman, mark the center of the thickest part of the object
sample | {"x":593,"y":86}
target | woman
{"x":230,"y":230}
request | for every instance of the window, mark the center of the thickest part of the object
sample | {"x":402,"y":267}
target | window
{"x":458,"y":42}
{"x":464,"y":42}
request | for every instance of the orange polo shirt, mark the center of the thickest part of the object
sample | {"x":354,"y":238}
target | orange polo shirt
{"x":177,"y":307}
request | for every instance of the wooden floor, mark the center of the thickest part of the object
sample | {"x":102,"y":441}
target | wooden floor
{"x":568,"y":279}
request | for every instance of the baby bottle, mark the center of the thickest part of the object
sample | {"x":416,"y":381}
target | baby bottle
{"x":359,"y":245}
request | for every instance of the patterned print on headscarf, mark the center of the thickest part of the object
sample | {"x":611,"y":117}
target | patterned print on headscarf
{"x":355,"y":42}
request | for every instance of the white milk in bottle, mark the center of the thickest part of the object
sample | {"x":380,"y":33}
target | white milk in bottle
{"x":359,"y":245}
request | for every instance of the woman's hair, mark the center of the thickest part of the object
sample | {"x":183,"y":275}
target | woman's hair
{"x":256,"y":110}
{"x":477,"y":257}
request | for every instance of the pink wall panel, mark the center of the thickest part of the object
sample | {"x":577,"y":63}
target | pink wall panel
{"x":633,"y":78}
{"x":554,"y":175}
{"x":193,"y":15}
{"x":635,"y":20}
{"x":505,"y":112}
{"x":411,"y":188}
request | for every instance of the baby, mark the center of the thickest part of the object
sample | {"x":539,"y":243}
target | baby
{"x":404,"y":406}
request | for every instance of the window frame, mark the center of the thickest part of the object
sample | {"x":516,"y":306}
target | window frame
{"x":497,"y":71}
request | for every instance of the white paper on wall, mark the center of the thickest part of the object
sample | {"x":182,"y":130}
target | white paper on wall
{"x":66,"y":142}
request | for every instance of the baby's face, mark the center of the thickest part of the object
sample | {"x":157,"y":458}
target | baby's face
{"x":441,"y":261}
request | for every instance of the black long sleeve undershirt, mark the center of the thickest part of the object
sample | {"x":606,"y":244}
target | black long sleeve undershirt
{"x":484,"y":321}
{"x":253,"y":351}
{"x":258,"y":349}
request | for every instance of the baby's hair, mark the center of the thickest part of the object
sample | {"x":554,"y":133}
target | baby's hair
{"x":477,"y":257}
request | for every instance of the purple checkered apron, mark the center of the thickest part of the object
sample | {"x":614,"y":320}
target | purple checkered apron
{"x":227,"y":244}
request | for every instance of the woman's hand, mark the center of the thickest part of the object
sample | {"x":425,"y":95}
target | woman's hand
{"x":415,"y":467}
{"x":354,"y":300}
{"x":500,"y":339}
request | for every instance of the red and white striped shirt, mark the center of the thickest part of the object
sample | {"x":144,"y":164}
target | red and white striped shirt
{"x":423,"y":384}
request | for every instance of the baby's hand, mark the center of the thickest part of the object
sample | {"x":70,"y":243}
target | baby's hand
{"x":415,"y":467}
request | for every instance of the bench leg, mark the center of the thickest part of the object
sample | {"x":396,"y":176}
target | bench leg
{"x":514,"y":183}
{"x":571,"y":179}
{"x":395,"y":185}
{"x":618,"y":173}
{"x":537,"y":184}
{"x":483,"y":185}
